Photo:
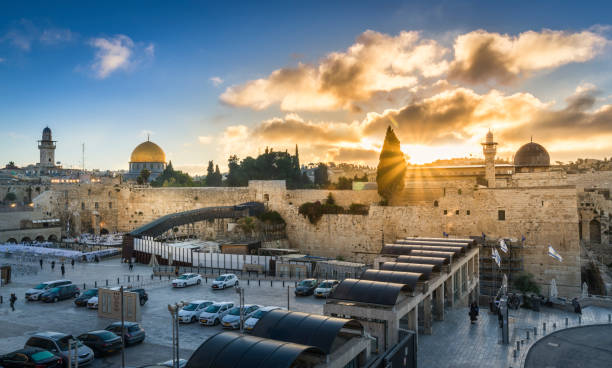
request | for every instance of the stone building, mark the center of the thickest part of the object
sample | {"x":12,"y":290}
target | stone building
{"x":46,"y":147}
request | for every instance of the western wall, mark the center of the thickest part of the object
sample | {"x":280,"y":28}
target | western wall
{"x":544,"y":215}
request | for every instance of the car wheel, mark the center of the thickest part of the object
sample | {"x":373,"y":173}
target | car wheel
{"x":223,"y":286}
{"x":199,"y":282}
{"x":236,"y":284}
{"x":216,"y":322}
{"x":76,"y":295}
{"x":193,"y":319}
{"x":55,"y":300}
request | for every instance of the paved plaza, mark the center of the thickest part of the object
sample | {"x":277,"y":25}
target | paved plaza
{"x":64,"y":316}
{"x":454,"y":342}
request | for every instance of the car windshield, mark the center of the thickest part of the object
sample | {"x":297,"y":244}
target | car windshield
{"x":190,"y":307}
{"x":40,"y":286}
{"x":325,"y":285}
{"x":41,"y":355}
{"x":259,"y":314}
{"x":63,"y":342}
{"x":220,"y":278}
{"x":212,"y":308}
{"x":106,"y":335}
{"x":306,"y":283}
{"x":235,"y":311}
{"x":90,"y":293}
{"x":183,"y":277}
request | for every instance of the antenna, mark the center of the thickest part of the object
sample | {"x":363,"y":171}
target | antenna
{"x":83,"y":157}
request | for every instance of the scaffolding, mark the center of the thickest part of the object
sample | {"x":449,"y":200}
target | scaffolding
{"x":511,"y":264}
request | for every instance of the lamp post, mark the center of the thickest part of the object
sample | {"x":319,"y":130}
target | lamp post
{"x":173,"y":309}
{"x":240,"y":292}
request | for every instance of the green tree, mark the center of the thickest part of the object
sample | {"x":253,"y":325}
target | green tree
{"x":143,"y":178}
{"x":210,"y":174}
{"x":391,"y":167}
{"x":345,"y":183}
{"x":10,"y":197}
{"x":320,"y":175}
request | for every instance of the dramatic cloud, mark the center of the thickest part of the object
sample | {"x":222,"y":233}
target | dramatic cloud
{"x":216,"y":81}
{"x":118,"y":53}
{"x":376,"y":62}
{"x":482,"y":56}
{"x":294,"y":129}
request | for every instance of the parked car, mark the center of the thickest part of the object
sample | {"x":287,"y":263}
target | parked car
{"x":133,"y":332}
{"x":191,"y":312}
{"x":101,"y":341}
{"x":250,"y":323}
{"x":325,"y":288}
{"x":81,"y":300}
{"x":182,"y":363}
{"x":187,"y":279}
{"x":214,"y":313}
{"x":31,"y":357}
{"x":60,"y":293}
{"x":225,"y":280}
{"x":34,"y":293}
{"x":232,"y":318}
{"x":306,"y":287}
{"x":58,"y":344}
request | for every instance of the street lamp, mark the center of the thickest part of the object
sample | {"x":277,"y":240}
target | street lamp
{"x":173,"y":309}
{"x":240,"y":292}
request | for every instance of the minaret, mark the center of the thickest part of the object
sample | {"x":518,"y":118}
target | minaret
{"x":489,"y":149}
{"x":46,"y":147}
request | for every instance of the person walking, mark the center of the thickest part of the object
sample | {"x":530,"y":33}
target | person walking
{"x":473,"y":312}
{"x":12,"y":300}
{"x":63,"y":270}
{"x":52,"y":265}
{"x":131,"y":265}
{"x":41,"y":263}
{"x":72,"y":263}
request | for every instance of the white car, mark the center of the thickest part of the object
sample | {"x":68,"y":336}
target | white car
{"x":191,"y":312}
{"x":225,"y":280}
{"x":325,"y":288}
{"x":92,"y":303}
{"x":232,"y":318}
{"x":250,"y":323}
{"x":187,"y":279}
{"x":214,"y":313}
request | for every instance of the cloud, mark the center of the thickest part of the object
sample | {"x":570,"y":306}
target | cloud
{"x":2,"y":60}
{"x":293,"y":128}
{"x":347,"y":154}
{"x":205,"y":139}
{"x":55,"y":36}
{"x":376,"y":62}
{"x":481,"y":56}
{"x":216,"y":81}
{"x":112,"y":54}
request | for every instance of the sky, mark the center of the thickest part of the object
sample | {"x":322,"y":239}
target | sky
{"x":206,"y":80}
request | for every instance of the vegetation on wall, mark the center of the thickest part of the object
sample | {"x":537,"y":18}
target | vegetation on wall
{"x":525,"y":284}
{"x":391,"y":167}
{"x":272,"y":218}
{"x":10,"y":197}
{"x":314,"y":211}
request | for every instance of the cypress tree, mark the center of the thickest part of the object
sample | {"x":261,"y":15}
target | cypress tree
{"x":391,"y":168}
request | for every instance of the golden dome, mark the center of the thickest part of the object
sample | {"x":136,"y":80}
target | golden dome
{"x":148,"y":152}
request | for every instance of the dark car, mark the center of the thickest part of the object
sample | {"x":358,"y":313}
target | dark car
{"x":143,"y":295}
{"x":60,"y":293}
{"x":101,"y":341}
{"x":81,"y":301}
{"x":306,"y":287}
{"x":133,"y":332}
{"x":30,"y":357}
{"x":59,"y":343}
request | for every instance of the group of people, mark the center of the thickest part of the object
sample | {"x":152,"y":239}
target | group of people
{"x":62,"y":267}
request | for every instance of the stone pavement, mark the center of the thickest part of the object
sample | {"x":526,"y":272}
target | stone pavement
{"x":65,"y":317}
{"x":457,"y":343}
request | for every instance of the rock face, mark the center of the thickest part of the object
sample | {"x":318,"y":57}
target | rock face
{"x":540,"y":206}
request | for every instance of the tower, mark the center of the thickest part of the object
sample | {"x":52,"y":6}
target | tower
{"x":489,"y":149}
{"x":46,"y":146}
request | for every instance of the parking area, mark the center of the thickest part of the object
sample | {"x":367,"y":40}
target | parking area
{"x":64,"y":316}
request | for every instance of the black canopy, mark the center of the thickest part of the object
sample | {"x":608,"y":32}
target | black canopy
{"x":407,"y":278}
{"x":370,"y":292}
{"x":423,"y":260}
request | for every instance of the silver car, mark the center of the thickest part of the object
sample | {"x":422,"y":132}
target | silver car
{"x":35,"y":292}
{"x":232,"y":318}
{"x":58,"y":344}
